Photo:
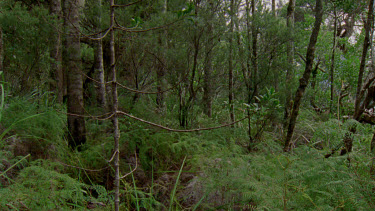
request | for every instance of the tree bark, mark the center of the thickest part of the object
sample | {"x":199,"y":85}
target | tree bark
{"x":1,"y":51}
{"x":370,"y":17}
{"x":160,"y":72}
{"x":72,"y":62}
{"x":230,"y":63}
{"x":116,"y":130}
{"x":333,"y":59}
{"x":57,"y":75}
{"x":290,"y":59}
{"x":254,"y":56}
{"x":207,"y":79}
{"x":303,"y":82}
{"x":98,"y":57}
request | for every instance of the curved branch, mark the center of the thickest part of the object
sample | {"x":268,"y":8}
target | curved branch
{"x":177,"y":130}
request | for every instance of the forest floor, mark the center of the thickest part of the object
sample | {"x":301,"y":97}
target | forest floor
{"x":205,"y":170}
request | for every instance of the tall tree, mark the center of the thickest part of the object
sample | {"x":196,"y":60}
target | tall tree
{"x":254,"y":55}
{"x":230,"y":60}
{"x":98,"y":55}
{"x":72,"y":62}
{"x":57,"y":75}
{"x":207,"y":79}
{"x":303,"y":82}
{"x":366,"y":44}
{"x":332,"y":69}
{"x":160,"y":72}
{"x":116,"y":130}
{"x":290,"y":58}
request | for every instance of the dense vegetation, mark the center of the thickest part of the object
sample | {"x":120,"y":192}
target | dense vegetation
{"x":187,"y":105}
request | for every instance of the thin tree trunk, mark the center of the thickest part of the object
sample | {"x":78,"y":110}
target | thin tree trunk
{"x":274,"y":7}
{"x":98,"y":58}
{"x":254,"y":57}
{"x":207,"y":81}
{"x":1,"y":51}
{"x":160,"y":72}
{"x":57,"y":74}
{"x":116,"y":130}
{"x":230,"y":63}
{"x":303,"y":82}
{"x":72,"y":62}
{"x":290,"y":59}
{"x":250,"y":83}
{"x":366,"y":44}
{"x":333,"y":59}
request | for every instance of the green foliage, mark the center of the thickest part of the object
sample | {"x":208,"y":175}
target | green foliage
{"x":39,"y":188}
{"x":26,"y":32}
{"x":39,"y":128}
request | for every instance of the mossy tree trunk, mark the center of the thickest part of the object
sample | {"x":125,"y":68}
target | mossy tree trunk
{"x":56,"y":72}
{"x":290,"y":58}
{"x":358,"y":110}
{"x":230,"y":62}
{"x":303,"y":82}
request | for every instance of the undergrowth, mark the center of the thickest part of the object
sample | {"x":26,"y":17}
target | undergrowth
{"x":39,"y":172}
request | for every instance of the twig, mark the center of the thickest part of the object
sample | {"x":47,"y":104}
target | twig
{"x":92,"y":117}
{"x":300,"y":55}
{"x":110,"y":160}
{"x":135,"y":168}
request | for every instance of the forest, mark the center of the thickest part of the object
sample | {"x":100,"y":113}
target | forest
{"x":187,"y":105}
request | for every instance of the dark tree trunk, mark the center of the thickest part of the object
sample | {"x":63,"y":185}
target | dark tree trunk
{"x":290,"y":58}
{"x":370,"y":17}
{"x":332,"y":70}
{"x":57,"y":75}
{"x":1,"y":51}
{"x":303,"y":82}
{"x":160,"y":71}
{"x":254,"y":56}
{"x":230,"y":63}
{"x":72,"y":62}
{"x":207,"y":79}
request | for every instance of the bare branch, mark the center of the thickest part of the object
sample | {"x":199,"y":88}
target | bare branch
{"x":126,"y":5}
{"x":177,"y":130}
{"x":303,"y":58}
{"x":136,"y":166}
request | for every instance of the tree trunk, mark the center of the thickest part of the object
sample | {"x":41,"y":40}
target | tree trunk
{"x":57,"y":75}
{"x":116,"y":130}
{"x":303,"y":82}
{"x":72,"y":62}
{"x":230,"y":63}
{"x":366,"y":44}
{"x":160,"y":72}
{"x":290,"y":58}
{"x":333,"y":59}
{"x":254,"y":57}
{"x":1,"y":51}
{"x":98,"y":57}
{"x":207,"y":80}
{"x":274,"y":7}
